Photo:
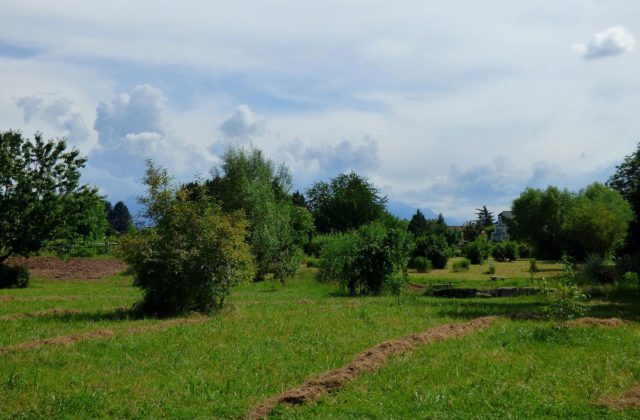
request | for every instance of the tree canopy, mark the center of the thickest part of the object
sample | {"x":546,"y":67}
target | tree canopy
{"x":626,"y":180}
{"x":345,"y":203}
{"x":40,"y":191}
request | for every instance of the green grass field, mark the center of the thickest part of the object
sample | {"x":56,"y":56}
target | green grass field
{"x":270,"y":338}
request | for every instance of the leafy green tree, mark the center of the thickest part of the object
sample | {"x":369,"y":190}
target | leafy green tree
{"x":485,"y":217}
{"x":472,"y":230}
{"x":119,"y":218}
{"x":347,"y":202}
{"x":248,"y":181}
{"x":297,"y":198}
{"x":626,"y":180}
{"x":39,"y":185}
{"x":433,"y":247}
{"x":191,"y":255}
{"x":597,"y":221}
{"x":85,"y":218}
{"x":539,"y":219}
{"x":478,"y":251}
{"x":418,"y":224}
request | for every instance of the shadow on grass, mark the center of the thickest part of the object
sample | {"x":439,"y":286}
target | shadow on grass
{"x":132,"y":313}
{"x":469,"y":309}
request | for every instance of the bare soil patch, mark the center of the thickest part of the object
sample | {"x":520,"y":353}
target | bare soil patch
{"x":70,"y":269}
{"x":629,"y":399}
{"x":66,"y":340}
{"x":39,"y":298}
{"x":527,"y":315}
{"x":367,"y":361}
{"x":596,"y":322}
{"x":38,"y":314}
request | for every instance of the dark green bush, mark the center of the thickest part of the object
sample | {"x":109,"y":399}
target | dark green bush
{"x":422,"y":264}
{"x":477,"y":251}
{"x":596,"y":269}
{"x":13,"y":277}
{"x":461,"y":265}
{"x":362,"y":262}
{"x":313,"y":262}
{"x":523,"y":250}
{"x":435,"y":248}
{"x":504,"y":251}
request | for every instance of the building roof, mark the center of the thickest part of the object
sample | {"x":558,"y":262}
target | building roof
{"x":507,"y":214}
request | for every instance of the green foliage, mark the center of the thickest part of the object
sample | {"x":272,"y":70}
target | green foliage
{"x":362,"y":262}
{"x":422,"y":264}
{"x":533,"y":265}
{"x":461,"y":265}
{"x":119,"y":218}
{"x":347,"y":202}
{"x":193,"y":253}
{"x":418,"y":224}
{"x":631,"y":280}
{"x":539,"y":217}
{"x":626,"y":181}
{"x":433,"y":247}
{"x":596,"y":269}
{"x":39,"y":190}
{"x":523,"y":250}
{"x":597,"y":221}
{"x":313,"y":262}
{"x":478,"y":251}
{"x":248,"y":181}
{"x":85,"y":218}
{"x":492,"y":269}
{"x":569,"y":301}
{"x":504,"y":251}
{"x":13,"y":277}
{"x":472,"y":230}
{"x":485,"y":217}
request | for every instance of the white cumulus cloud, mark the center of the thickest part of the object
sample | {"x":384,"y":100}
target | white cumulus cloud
{"x":611,"y":42}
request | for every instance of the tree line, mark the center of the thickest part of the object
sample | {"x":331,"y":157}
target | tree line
{"x":245,"y":223}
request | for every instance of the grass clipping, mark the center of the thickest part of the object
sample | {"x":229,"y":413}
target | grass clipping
{"x":367,"y":361}
{"x":629,"y":399}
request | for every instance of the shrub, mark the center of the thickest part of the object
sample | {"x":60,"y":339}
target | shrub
{"x":492,"y":269}
{"x":523,"y":250}
{"x":628,"y":263}
{"x":533,"y":265}
{"x":631,"y":280}
{"x":13,"y":277}
{"x":596,"y":269}
{"x":569,"y":301}
{"x":313,"y":262}
{"x":505,"y":251}
{"x":477,"y":251}
{"x":362,"y":262}
{"x":461,"y":265}
{"x":422,"y":264}
{"x":435,"y":248}
{"x":193,"y":254}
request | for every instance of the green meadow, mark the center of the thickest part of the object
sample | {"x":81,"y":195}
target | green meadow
{"x":270,"y":338}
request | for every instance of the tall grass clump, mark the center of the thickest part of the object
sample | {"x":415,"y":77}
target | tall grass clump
{"x":461,"y":265}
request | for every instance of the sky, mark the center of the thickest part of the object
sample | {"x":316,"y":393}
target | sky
{"x":444,"y":106}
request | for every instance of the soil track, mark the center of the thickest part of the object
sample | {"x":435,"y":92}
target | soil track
{"x":367,"y":361}
{"x":38,"y":314}
{"x":66,"y":340}
{"x":70,"y":269}
{"x":629,"y":399}
{"x":596,"y":322}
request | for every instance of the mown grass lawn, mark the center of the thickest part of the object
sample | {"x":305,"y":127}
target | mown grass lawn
{"x":271,"y":338}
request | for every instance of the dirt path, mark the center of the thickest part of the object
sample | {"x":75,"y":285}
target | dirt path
{"x":66,"y":340}
{"x":70,"y":269}
{"x":367,"y":361}
{"x":629,"y":399}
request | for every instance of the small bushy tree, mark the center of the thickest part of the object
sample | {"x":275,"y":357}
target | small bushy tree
{"x":192,"y":254}
{"x":364,"y":261}
{"x":478,"y":251}
{"x":434,"y":248}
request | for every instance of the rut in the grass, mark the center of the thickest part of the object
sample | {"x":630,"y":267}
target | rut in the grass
{"x":596,"y":322}
{"x":629,"y":399}
{"x":40,"y":314}
{"x":367,"y":361}
{"x":66,"y":340}
{"x":54,"y":298}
